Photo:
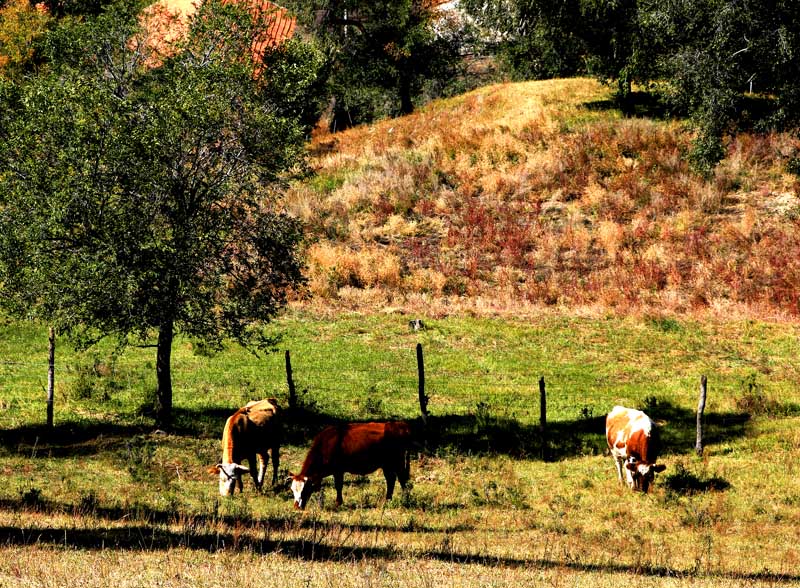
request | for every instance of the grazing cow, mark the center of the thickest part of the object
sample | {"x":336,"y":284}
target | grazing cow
{"x":356,"y":448}
{"x":634,"y":444}
{"x":251,"y":431}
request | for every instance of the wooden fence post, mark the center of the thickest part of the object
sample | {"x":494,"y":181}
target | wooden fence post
{"x":701,"y":406}
{"x":423,"y":399}
{"x":290,"y":382}
{"x":51,"y":374}
{"x":543,"y":418}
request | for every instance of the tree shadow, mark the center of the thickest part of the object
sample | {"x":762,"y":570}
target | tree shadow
{"x":484,"y":434}
{"x":69,"y":439}
{"x":323,"y":547}
{"x":682,"y":481}
{"x":477,"y":433}
{"x":638,"y":105}
{"x":755,"y":113}
{"x":142,"y":514}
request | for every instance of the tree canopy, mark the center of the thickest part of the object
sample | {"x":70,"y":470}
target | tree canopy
{"x":137,"y":199}
{"x":704,"y":57}
{"x":383,"y":53}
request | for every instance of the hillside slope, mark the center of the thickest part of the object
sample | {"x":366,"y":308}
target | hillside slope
{"x":521,"y":196}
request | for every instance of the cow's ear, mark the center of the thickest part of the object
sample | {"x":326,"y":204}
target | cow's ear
{"x":241,"y":469}
{"x":215,"y":469}
{"x":659,"y":468}
{"x":631,"y":465}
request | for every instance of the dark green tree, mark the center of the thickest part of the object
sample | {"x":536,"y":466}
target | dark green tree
{"x":138,"y":200}
{"x":383,"y":53}
{"x":534,"y":39}
{"x":727,"y":64}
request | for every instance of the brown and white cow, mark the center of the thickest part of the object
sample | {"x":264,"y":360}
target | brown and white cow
{"x":251,"y":433}
{"x":634,"y":443}
{"x":355,"y":448}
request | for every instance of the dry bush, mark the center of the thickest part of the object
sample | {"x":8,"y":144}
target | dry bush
{"x":425,"y":280}
{"x":332,"y":267}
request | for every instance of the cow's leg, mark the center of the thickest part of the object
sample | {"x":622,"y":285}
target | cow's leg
{"x":255,"y":470}
{"x":405,"y":470}
{"x":263,"y":458}
{"x":390,"y":476}
{"x":338,"y":482}
{"x":618,"y":461}
{"x":276,"y":460}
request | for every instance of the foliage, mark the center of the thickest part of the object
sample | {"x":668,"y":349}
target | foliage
{"x":535,"y":40}
{"x":21,"y":25}
{"x":384,"y":54}
{"x":139,"y":198}
{"x":704,"y":55}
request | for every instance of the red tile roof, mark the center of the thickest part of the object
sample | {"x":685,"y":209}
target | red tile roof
{"x":166,"y":22}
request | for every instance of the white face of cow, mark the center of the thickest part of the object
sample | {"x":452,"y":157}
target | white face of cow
{"x":229,"y":475}
{"x":301,"y":489}
{"x":642,"y":474}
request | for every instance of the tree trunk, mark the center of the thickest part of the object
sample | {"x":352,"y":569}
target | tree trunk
{"x":406,"y":104}
{"x":51,"y":375}
{"x":164,"y":377}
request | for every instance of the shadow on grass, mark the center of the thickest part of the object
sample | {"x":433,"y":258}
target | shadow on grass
{"x":321,"y":546}
{"x":69,"y":439}
{"x":476,"y":433}
{"x":682,"y":481}
{"x":143,"y":515}
{"x":483,"y":434}
{"x":638,"y":104}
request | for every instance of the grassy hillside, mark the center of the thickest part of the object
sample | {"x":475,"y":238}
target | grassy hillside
{"x":520,"y":196}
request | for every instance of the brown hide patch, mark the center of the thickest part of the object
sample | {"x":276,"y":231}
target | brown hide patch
{"x":358,"y":448}
{"x":637,"y":444}
{"x":261,"y":412}
{"x":617,"y":423}
{"x":227,"y":435}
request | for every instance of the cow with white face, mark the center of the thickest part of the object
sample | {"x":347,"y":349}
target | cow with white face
{"x":634,"y":443}
{"x":253,"y":433}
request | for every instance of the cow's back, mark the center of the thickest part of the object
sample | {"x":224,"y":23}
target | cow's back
{"x":357,"y":448}
{"x":630,"y":432}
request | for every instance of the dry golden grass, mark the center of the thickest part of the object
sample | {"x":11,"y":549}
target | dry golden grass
{"x":534,"y":194}
{"x":468,"y":522}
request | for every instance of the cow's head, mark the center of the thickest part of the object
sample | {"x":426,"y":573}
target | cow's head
{"x":229,"y":475}
{"x":302,"y":488}
{"x":642,"y":474}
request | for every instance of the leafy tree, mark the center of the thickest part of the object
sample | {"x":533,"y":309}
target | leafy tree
{"x":383,"y":53}
{"x":138,"y":200}
{"x":21,"y":24}
{"x":713,"y":53}
{"x":535,"y":39}
{"x":706,"y":56}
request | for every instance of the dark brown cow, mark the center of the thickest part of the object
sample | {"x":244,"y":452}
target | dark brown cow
{"x":250,"y":433}
{"x":633,"y":440}
{"x":355,"y":448}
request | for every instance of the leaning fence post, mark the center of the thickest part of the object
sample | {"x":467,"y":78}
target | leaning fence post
{"x":543,"y":417}
{"x":701,"y":406}
{"x":423,"y":399}
{"x":290,"y":382}
{"x":51,"y":374}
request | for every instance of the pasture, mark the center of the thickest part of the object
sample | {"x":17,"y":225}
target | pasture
{"x":104,"y":500}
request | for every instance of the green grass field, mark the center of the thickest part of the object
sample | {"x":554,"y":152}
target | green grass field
{"x":104,"y":500}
